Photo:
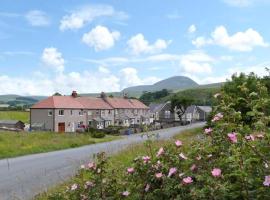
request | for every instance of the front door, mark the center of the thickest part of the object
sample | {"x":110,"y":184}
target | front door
{"x":61,"y":127}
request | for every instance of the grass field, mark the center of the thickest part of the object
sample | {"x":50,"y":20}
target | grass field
{"x":124,"y":159}
{"x":17,"y":144}
{"x":15,"y":115}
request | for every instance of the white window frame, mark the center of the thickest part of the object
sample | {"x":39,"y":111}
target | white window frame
{"x":89,"y":112}
{"x":50,"y":113}
{"x":60,"y":111}
{"x":81,"y":113}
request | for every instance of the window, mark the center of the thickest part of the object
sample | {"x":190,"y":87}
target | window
{"x":116,"y":112}
{"x":97,"y":112}
{"x":50,"y":112}
{"x":89,"y":112}
{"x":61,"y":113}
{"x":167,"y":114}
{"x":109,"y":111}
{"x":136,"y":111}
{"x":71,"y":112}
{"x":81,"y":113}
{"x":103,"y":112}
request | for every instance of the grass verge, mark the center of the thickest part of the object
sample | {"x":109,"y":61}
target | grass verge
{"x":17,"y":144}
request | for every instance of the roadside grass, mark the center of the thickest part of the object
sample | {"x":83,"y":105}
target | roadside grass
{"x":15,"y":115}
{"x":122,"y":160}
{"x":14,"y":144}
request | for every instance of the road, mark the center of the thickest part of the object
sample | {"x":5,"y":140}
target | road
{"x":23,"y":177}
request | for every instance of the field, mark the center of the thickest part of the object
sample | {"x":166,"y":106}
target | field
{"x":18,"y":144}
{"x":124,"y":159}
{"x":15,"y":115}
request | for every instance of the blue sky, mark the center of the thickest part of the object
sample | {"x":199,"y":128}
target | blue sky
{"x":93,"y":46}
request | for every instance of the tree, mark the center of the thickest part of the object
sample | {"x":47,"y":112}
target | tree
{"x":180,"y":104}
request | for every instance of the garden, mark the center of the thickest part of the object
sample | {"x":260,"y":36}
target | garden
{"x":229,"y":160}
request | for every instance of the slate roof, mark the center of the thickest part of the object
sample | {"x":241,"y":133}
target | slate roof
{"x":154,"y":107}
{"x":206,"y":109}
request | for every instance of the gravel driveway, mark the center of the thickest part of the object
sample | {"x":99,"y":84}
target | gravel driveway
{"x":24,"y":177}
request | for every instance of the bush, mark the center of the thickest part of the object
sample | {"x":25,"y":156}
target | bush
{"x":98,"y":134}
{"x":232,"y":161}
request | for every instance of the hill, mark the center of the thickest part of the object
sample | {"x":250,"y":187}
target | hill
{"x":173,"y":83}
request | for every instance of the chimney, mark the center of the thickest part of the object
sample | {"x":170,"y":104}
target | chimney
{"x":125,"y":96}
{"x":103,"y":95}
{"x":74,"y":94}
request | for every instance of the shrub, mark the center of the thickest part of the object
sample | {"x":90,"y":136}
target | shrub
{"x":231,"y":162}
{"x":98,"y":134}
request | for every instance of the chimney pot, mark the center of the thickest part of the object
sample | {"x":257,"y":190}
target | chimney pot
{"x":74,"y":94}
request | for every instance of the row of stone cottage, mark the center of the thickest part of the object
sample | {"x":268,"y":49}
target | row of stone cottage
{"x":69,"y":113}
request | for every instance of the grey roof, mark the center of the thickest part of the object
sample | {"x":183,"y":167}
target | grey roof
{"x":10,"y":121}
{"x":156,"y":107}
{"x":206,"y":109}
{"x":190,"y":109}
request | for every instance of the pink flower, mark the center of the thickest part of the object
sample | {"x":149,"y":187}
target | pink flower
{"x":146,"y":159}
{"x":130,"y":170}
{"x":267,"y":181}
{"x":160,"y":152}
{"x":208,"y":131}
{"x":183,"y":156}
{"x":159,"y":175}
{"x":178,"y":143}
{"x":125,"y":193}
{"x":250,"y":137}
{"x":172,"y":171}
{"x":147,"y":187}
{"x":74,"y":187}
{"x":193,"y":167}
{"x":216,"y":172}
{"x":187,"y":180}
{"x":217,"y":117}
{"x":232,"y":137}
{"x":91,"y":165}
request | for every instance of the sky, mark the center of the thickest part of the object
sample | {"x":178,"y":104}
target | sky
{"x":98,"y":45}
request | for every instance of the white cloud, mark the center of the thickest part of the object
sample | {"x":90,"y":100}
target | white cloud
{"x":196,"y":62}
{"x":86,"y":14}
{"x":103,"y":69}
{"x":192,"y":29}
{"x":138,"y":44}
{"x":240,"y":41}
{"x":37,"y":18}
{"x":51,"y":57}
{"x":129,"y":77}
{"x":101,"y":38}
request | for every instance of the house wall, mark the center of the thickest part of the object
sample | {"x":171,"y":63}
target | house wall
{"x":71,"y":120}
{"x":41,"y":116}
{"x":166,"y":118}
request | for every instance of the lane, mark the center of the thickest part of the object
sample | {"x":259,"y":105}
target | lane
{"x":23,"y":177}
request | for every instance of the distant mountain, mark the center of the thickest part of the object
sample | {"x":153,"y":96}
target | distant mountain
{"x":173,"y":83}
{"x":17,"y":100}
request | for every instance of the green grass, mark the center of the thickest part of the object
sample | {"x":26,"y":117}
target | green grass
{"x":124,"y":159}
{"x":17,"y":144}
{"x":15,"y":115}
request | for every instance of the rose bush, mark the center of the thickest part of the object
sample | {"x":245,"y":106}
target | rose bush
{"x":230,"y":162}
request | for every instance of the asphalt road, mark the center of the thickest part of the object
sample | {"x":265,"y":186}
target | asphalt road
{"x":23,"y":177}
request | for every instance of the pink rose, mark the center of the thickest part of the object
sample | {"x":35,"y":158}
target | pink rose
{"x":193,"y":167}
{"x":130,"y":170}
{"x":208,"y":131}
{"x":125,"y":193}
{"x":250,"y":137}
{"x":216,"y":172}
{"x":187,"y":180}
{"x":217,"y":117}
{"x":160,"y":152}
{"x":91,"y":165}
{"x":178,"y":143}
{"x":146,"y":159}
{"x":232,"y":137}
{"x":172,"y":171}
{"x":159,"y":175}
{"x":74,"y":187}
{"x":267,"y":181}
